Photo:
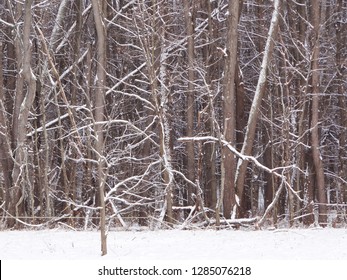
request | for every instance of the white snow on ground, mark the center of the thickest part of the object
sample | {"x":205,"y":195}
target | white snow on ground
{"x":283,"y":244}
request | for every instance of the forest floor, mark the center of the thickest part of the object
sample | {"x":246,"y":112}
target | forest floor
{"x":281,"y":244}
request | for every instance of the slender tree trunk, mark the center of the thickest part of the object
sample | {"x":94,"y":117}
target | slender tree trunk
{"x":47,"y":210}
{"x":99,"y":114}
{"x":89,"y":191}
{"x":5,"y":147}
{"x":253,"y":115}
{"x":163,"y":107}
{"x":57,"y":32}
{"x":18,"y":173}
{"x":12,"y":61}
{"x":341,"y":57}
{"x":19,"y":92}
{"x":302,"y":182}
{"x":315,"y":145}
{"x":209,"y":149}
{"x":75,"y":167}
{"x":229,"y":106}
{"x":188,"y":13}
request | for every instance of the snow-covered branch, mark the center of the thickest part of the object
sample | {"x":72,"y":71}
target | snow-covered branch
{"x":247,"y":158}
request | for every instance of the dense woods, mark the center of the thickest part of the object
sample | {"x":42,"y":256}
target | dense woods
{"x":162,"y":113}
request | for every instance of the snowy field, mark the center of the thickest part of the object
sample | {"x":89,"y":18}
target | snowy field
{"x":283,"y":244}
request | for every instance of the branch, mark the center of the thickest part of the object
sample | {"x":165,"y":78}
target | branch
{"x":52,"y":122}
{"x":247,"y":158}
{"x":125,"y":78}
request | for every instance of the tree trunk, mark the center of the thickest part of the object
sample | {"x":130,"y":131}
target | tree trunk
{"x":229,"y":106}
{"x":209,"y":148}
{"x":315,"y":143}
{"x":18,"y":173}
{"x":188,"y":12}
{"x":5,"y":147}
{"x":341,"y":57}
{"x":303,"y":183}
{"x":253,"y":115}
{"x":99,"y":115}
{"x":57,"y":32}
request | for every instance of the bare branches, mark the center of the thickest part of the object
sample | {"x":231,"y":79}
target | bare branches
{"x":134,"y":112}
{"x":247,"y":158}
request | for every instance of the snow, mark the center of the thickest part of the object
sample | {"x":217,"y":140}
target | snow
{"x":281,"y":244}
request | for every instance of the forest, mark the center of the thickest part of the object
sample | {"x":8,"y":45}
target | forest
{"x":165,"y":113}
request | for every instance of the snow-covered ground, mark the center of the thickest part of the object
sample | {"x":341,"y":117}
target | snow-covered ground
{"x":283,"y":244}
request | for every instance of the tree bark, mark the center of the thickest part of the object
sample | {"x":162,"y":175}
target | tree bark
{"x":229,"y":107}
{"x":18,"y":173}
{"x":188,"y":12}
{"x":341,"y":58}
{"x":209,"y":148}
{"x":99,"y":115}
{"x":253,"y":115}
{"x":315,"y":143}
{"x":5,"y":147}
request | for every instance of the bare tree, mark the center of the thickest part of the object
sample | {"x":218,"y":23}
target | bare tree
{"x":341,"y":60}
{"x":188,"y":13}
{"x":98,"y":9}
{"x":19,"y":169}
{"x":254,"y":112}
{"x":315,"y":91}
{"x":96,"y":96}
{"x":5,"y":147}
{"x":229,"y":108}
